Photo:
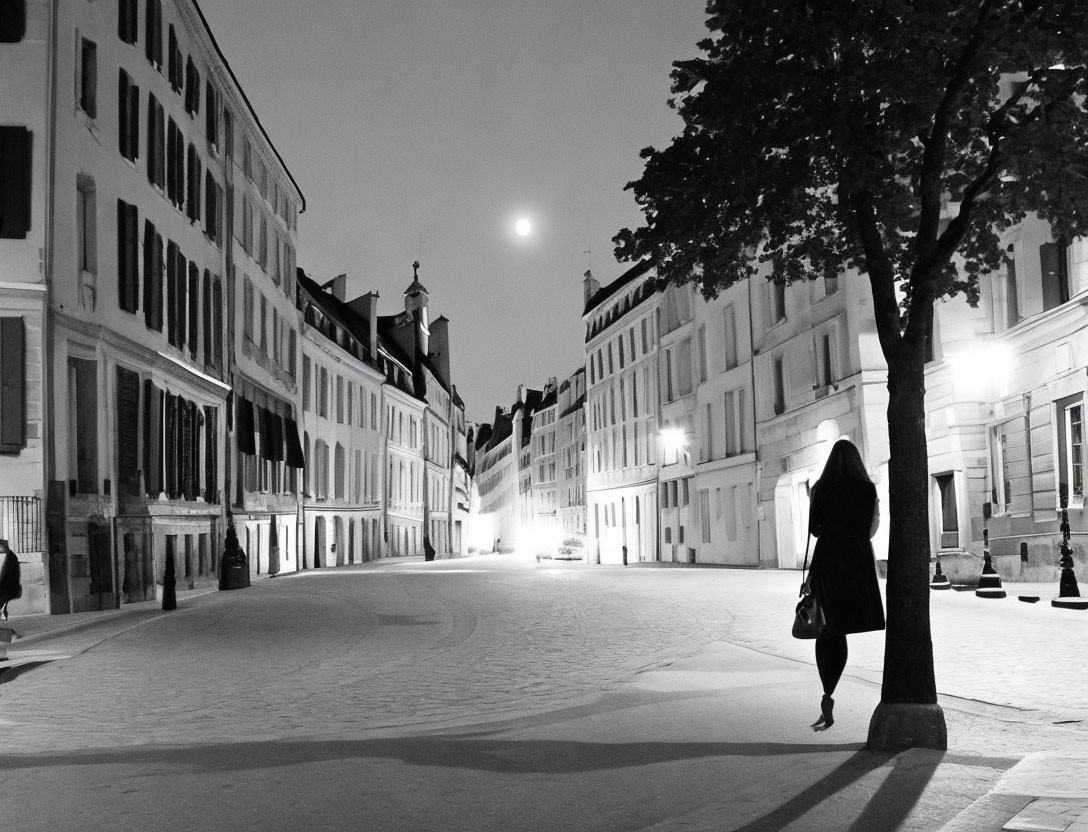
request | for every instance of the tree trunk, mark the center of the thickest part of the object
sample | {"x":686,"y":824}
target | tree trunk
{"x":908,"y":715}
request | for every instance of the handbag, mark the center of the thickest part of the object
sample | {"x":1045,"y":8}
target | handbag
{"x":809,"y":619}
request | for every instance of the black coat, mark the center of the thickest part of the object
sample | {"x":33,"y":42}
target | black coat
{"x":10,"y":584}
{"x":843,"y":571}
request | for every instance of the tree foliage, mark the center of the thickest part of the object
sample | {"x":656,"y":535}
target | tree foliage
{"x":885,"y":137}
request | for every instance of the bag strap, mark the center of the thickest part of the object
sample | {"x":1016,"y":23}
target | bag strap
{"x":808,"y":542}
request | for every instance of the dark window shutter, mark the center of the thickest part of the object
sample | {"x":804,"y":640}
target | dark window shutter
{"x":150,"y":267}
{"x":134,"y":122}
{"x":12,"y":385}
{"x":181,"y":274}
{"x":211,"y":454}
{"x":244,"y":437}
{"x":12,"y":21}
{"x":126,"y":21}
{"x":217,"y":314}
{"x":206,"y":302}
{"x":123,"y":113}
{"x":194,"y":308}
{"x":171,"y":292}
{"x":127,"y":259}
{"x":15,"y":174}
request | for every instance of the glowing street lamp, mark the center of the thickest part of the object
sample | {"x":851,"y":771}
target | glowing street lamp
{"x":673,"y":440}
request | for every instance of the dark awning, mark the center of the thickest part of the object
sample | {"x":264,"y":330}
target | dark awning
{"x":276,"y":423}
{"x":243,"y":436}
{"x":295,"y":459}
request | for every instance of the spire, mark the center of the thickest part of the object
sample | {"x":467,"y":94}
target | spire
{"x":415,"y":287}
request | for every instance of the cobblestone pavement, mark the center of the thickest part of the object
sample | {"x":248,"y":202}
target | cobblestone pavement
{"x":376,"y":646}
{"x":435,"y":688}
{"x":408,"y":643}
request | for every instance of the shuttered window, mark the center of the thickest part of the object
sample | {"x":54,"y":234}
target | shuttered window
{"x":152,"y":277}
{"x":127,"y":26}
{"x":15,"y":173}
{"x":88,"y":77}
{"x":12,"y":385}
{"x":194,"y":308}
{"x":153,"y":35}
{"x":12,"y":21}
{"x":156,"y":142}
{"x":128,"y":105}
{"x":128,"y":276}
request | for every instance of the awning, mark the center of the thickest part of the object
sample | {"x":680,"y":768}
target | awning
{"x":276,"y":423}
{"x":295,"y":459}
{"x":243,"y":435}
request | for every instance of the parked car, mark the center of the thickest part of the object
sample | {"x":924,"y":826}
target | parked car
{"x":572,"y":548}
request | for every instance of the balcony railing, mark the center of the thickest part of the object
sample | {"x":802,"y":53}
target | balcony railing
{"x":21,"y":523}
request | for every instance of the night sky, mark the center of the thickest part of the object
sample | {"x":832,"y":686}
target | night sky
{"x":451,"y":120}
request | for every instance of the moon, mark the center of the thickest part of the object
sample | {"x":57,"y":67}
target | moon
{"x":522,"y":227}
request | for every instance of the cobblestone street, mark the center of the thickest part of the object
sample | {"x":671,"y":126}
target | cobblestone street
{"x":436,"y":683}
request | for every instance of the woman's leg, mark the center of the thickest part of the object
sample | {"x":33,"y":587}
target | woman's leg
{"x":831,"y":661}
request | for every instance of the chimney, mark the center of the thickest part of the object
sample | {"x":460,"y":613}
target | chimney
{"x":337,"y":287}
{"x":590,"y":287}
{"x":370,"y":312}
{"x":440,"y":346}
{"x":521,"y":394}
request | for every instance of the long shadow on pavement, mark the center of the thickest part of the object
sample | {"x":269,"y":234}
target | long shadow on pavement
{"x":887,"y":808}
{"x":509,"y":756}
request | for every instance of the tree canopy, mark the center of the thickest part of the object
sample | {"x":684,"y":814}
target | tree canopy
{"x":881,"y":136}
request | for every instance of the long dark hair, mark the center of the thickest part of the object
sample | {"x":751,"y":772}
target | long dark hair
{"x":844,"y":465}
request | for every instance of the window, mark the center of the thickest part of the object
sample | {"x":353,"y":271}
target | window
{"x":217,"y":321}
{"x":128,"y":105}
{"x":831,"y":284}
{"x":778,"y":302}
{"x":264,"y":326}
{"x":192,"y":87}
{"x":12,"y":385}
{"x":645,"y":336}
{"x":340,"y":473}
{"x":619,"y":350}
{"x":213,"y":208}
{"x":15,"y":173}
{"x":193,"y":176}
{"x":683,"y":367}
{"x":700,"y":349}
{"x":86,"y":225}
{"x":128,"y":240}
{"x":175,"y":164}
{"x":13,"y":21}
{"x":347,"y":413}
{"x":949,"y":519}
{"x":1000,"y":472}
{"x":1054,"y":267}
{"x":177,"y":284}
{"x":156,"y":142}
{"x":152,"y":277}
{"x":206,"y":297}
{"x":82,"y":427}
{"x":707,"y":433}
{"x":174,"y":73}
{"x":779,"y":385}
{"x":824,"y":358}
{"x":88,"y":77}
{"x":194,"y":308}
{"x":668,"y":376}
{"x":212,"y":106}
{"x":1070,"y":412}
{"x":153,"y":35}
{"x":729,"y":336}
{"x":340,"y":400}
{"x":734,"y":422}
{"x":126,"y":21}
{"x":323,"y":394}
{"x":247,"y":309}
{"x":306,"y":383}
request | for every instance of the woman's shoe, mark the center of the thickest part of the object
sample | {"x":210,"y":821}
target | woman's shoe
{"x":827,"y":715}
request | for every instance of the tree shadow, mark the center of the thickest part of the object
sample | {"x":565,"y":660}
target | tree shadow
{"x":885,"y":810}
{"x":490,"y":755}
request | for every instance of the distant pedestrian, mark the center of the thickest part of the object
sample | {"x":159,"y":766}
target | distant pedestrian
{"x":844,"y":513}
{"x":11,"y":585}
{"x":428,"y":549}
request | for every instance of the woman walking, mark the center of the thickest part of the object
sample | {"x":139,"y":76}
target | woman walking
{"x":843,"y":515}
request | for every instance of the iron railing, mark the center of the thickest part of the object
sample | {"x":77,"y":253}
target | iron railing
{"x":21,"y":523}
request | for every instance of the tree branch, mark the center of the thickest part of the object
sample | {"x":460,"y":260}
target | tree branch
{"x":880,"y":271}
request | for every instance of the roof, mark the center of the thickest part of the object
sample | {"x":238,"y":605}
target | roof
{"x":245,"y":98}
{"x":605,"y":292}
{"x":577,"y":405}
{"x":339,"y":311}
{"x":547,"y":401}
